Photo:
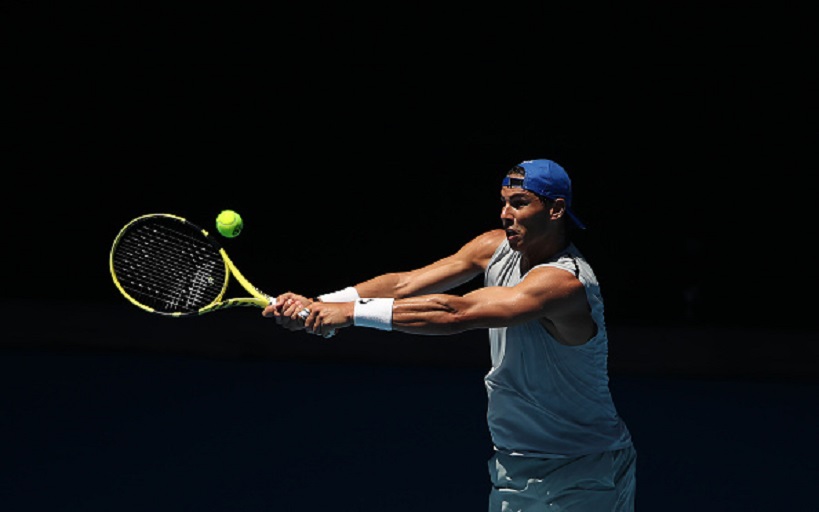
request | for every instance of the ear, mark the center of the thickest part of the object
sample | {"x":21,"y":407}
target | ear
{"x":558,"y":209}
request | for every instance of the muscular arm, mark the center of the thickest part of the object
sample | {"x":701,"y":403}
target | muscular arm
{"x":439,"y":276}
{"x":547,"y":293}
{"x":444,"y":274}
{"x":554,"y":296}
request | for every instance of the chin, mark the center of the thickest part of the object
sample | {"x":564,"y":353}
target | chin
{"x":515,"y":243}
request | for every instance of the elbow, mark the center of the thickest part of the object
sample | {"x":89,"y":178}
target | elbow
{"x":453,"y":318}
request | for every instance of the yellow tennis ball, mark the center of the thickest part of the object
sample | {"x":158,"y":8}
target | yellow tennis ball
{"x":229,"y":223}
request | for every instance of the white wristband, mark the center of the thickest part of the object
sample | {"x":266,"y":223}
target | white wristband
{"x":375,"y":313}
{"x":348,"y":294}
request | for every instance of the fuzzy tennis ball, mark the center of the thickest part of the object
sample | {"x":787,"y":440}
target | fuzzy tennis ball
{"x":229,"y":223}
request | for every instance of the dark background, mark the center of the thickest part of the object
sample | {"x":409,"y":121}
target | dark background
{"x":360,"y":139}
{"x":356,"y":140}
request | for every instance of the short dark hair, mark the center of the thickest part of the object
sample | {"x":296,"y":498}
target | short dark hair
{"x":518,"y":169}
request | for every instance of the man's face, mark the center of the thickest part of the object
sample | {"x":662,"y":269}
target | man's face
{"x":524,"y":217}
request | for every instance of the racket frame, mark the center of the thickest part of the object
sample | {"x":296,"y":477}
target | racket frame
{"x":257,"y":298}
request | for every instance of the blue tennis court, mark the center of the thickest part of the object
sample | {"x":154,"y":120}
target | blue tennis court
{"x":91,"y":430}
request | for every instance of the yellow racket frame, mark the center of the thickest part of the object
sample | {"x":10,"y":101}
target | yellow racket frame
{"x":257,"y":297}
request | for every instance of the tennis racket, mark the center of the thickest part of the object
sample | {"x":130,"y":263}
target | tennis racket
{"x":167,"y":265}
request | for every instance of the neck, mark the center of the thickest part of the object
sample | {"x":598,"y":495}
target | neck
{"x":542,"y":252}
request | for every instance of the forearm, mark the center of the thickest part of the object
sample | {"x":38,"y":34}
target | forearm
{"x":437,"y":314}
{"x":440,"y":314}
{"x":428,"y":315}
{"x":437,"y":277}
{"x":433,"y":279}
{"x":392,"y":285}
{"x":433,"y":314}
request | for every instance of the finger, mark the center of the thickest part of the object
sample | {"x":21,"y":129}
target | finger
{"x":283,"y":299}
{"x":288,"y":316}
{"x":292,"y":310}
{"x":309,"y":318}
{"x":322,"y":329}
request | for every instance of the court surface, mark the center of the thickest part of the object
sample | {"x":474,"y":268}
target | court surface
{"x":94,"y":431}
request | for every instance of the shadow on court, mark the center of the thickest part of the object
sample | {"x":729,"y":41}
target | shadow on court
{"x":92,"y":430}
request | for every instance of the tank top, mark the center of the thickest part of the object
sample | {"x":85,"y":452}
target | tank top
{"x":547,"y":399}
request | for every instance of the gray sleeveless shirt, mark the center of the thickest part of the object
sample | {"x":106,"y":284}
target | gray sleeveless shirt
{"x":544,"y":398}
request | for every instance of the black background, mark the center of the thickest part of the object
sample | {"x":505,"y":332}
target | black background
{"x":358,"y":139}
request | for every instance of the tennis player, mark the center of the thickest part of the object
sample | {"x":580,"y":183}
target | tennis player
{"x":559,"y":443}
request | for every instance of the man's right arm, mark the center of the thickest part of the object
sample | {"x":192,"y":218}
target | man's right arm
{"x":442,"y":275}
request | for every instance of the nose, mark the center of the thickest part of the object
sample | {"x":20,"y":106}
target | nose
{"x":506,"y":212}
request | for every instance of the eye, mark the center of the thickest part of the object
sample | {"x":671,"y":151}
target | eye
{"x":516,"y":202}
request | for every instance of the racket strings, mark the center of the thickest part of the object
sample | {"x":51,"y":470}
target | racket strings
{"x":169,"y":266}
